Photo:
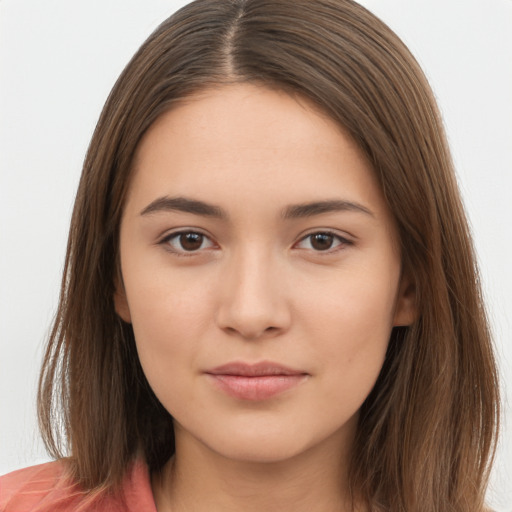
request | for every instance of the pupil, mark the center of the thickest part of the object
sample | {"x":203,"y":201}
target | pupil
{"x":322,"y":241}
{"x":191,"y":241}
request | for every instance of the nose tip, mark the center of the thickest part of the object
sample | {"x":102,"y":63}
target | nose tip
{"x":248,"y":315}
{"x":252,"y":332}
{"x":253,"y":303}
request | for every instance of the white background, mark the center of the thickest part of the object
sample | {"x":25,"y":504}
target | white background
{"x":58,"y":61}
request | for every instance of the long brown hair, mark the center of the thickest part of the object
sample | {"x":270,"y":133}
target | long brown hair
{"x":427,"y":431}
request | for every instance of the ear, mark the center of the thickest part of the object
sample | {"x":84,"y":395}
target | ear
{"x":406,"y":310}
{"x":121,"y":303}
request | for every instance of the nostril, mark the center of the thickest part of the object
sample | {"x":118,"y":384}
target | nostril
{"x":252,"y":334}
{"x":250,"y":309}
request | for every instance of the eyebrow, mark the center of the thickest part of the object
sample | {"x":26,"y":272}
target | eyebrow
{"x":295,"y":211}
{"x":318,"y":207}
{"x":184,"y":204}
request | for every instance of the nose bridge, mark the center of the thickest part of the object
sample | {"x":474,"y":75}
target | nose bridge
{"x":253,"y":302}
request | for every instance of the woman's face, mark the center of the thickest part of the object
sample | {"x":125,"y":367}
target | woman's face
{"x":261,"y":273}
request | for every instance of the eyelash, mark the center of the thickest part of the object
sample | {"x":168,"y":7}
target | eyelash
{"x":342,"y":242}
{"x":166,"y":241}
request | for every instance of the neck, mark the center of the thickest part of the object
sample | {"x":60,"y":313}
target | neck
{"x":198,"y":479}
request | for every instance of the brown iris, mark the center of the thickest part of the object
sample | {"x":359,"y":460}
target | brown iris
{"x":322,"y":241}
{"x":191,"y":241}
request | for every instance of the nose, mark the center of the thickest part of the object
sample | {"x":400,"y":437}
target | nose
{"x":253,"y":303}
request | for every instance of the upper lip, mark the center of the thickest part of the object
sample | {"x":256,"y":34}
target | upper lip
{"x":261,"y":369}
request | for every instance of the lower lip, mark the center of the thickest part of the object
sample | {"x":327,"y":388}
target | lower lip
{"x":256,"y":388}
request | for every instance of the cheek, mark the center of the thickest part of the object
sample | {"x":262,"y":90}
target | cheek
{"x":164,"y":300}
{"x":169,"y":316}
{"x":357,"y":302}
{"x":352,"y":319}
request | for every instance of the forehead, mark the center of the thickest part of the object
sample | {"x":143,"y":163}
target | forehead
{"x":246,"y":141}
{"x":237,"y":115}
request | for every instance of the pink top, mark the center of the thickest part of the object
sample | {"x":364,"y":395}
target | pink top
{"x":45,"y":488}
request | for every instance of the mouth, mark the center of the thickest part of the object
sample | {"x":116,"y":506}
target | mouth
{"x":255,"y":382}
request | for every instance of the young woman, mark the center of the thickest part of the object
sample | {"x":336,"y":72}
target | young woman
{"x":270,"y":299}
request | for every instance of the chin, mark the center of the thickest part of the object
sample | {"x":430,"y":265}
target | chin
{"x":265,"y":446}
{"x":260,"y":452}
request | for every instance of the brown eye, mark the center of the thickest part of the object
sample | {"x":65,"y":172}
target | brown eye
{"x":321,"y":241}
{"x":191,"y":241}
{"x":187,"y":242}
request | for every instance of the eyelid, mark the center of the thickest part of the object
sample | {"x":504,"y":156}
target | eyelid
{"x":165,"y":239}
{"x":343,"y":240}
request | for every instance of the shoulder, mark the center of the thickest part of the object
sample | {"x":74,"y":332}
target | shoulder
{"x":47,"y":487}
{"x":30,"y":488}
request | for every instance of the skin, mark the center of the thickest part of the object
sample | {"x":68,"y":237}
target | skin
{"x":258,"y":286}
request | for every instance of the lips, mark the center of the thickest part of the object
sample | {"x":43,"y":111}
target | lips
{"x":255,"y":382}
